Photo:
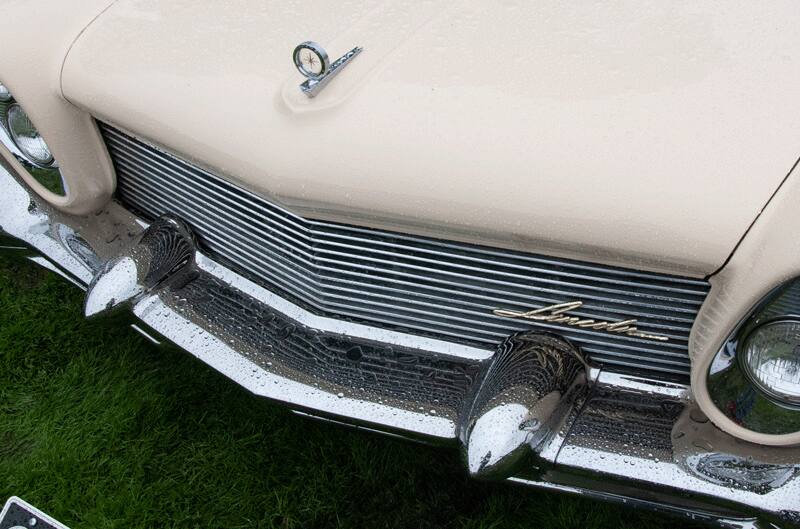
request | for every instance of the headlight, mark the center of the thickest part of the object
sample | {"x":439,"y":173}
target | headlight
{"x":20,"y":136}
{"x":5,"y":95}
{"x":27,"y":138}
{"x":754,"y":379}
{"x":771,"y":356}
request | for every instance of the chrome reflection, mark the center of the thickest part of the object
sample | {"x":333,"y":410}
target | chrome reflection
{"x":725,"y":469}
{"x":347,"y":366}
{"x":78,"y":247}
{"x":636,"y":443}
{"x":705,"y":452}
{"x":164,"y":252}
{"x":526,"y":392}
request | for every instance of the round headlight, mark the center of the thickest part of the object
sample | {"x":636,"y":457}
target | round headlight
{"x":27,"y":138}
{"x":5,"y":95}
{"x":772,"y":360}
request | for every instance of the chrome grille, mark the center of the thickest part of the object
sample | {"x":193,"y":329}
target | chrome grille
{"x":417,"y":284}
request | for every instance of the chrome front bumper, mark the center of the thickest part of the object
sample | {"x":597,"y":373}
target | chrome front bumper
{"x":611,"y":436}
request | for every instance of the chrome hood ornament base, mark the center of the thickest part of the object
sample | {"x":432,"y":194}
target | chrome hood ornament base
{"x":311,"y":60}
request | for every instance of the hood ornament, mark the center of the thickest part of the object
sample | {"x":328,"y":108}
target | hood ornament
{"x":311,"y":60}
{"x":556,"y":314}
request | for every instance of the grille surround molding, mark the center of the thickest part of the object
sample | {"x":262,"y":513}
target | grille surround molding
{"x":415,"y":284}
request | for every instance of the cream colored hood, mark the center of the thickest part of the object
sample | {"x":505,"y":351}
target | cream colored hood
{"x":645,"y":134}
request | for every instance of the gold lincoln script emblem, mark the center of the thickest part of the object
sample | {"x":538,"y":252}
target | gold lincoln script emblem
{"x":556,"y":314}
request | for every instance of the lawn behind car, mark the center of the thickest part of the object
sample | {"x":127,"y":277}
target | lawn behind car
{"x":100,"y":429}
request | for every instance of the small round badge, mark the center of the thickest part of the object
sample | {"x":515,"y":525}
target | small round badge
{"x":311,"y":59}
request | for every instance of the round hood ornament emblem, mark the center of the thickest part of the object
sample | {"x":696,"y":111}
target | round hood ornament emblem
{"x":311,"y":60}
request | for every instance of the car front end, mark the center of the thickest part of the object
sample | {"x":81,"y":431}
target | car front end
{"x":559,"y":247}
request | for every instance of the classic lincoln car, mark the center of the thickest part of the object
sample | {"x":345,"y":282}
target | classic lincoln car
{"x":557,"y":237}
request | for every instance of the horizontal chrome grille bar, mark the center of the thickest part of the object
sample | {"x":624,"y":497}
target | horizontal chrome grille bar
{"x":681,"y":305}
{"x":421,"y":285}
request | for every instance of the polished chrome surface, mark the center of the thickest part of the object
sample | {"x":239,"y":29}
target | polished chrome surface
{"x":5,"y":94}
{"x":665,"y":447}
{"x":311,"y":60}
{"x":426,"y":286}
{"x":165,"y":252}
{"x":412,"y":385}
{"x":622,"y":438}
{"x":691,"y":514}
{"x":522,"y":400}
{"x":730,"y":386}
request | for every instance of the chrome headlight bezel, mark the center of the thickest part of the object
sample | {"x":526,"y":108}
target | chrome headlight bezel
{"x":732,"y":387}
{"x":47,"y":175}
{"x":5,"y":94}
{"x":15,"y":109}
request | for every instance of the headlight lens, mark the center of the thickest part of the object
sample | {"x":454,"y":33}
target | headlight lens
{"x":772,"y":360}
{"x":27,"y":138}
{"x":5,"y":95}
{"x":19,"y":135}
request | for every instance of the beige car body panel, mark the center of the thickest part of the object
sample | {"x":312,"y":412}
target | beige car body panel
{"x":31,"y":68}
{"x":768,"y":256}
{"x":642,"y":135}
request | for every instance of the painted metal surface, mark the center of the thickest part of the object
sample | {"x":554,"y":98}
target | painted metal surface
{"x":31,"y":68}
{"x":646,"y":135}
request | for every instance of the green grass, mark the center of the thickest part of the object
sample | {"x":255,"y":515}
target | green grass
{"x":100,"y":429}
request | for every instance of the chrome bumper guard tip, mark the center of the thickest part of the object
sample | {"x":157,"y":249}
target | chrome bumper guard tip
{"x":532,"y":412}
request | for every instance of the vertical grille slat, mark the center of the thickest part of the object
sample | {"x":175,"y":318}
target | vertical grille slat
{"x":421,"y":285}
